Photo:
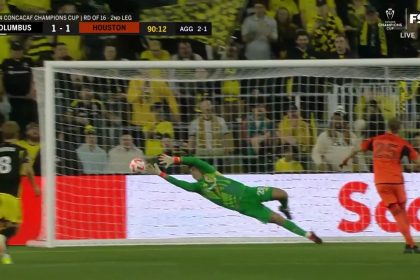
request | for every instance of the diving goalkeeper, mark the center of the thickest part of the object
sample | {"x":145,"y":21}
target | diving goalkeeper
{"x":232,"y":194}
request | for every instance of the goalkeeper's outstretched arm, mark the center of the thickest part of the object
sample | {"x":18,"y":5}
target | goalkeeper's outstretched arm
{"x":154,"y":169}
{"x":203,"y":166}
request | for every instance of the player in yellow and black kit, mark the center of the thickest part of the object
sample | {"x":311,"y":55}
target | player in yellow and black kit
{"x":13,"y":162}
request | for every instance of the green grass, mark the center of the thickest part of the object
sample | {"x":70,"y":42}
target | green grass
{"x":254,"y":262}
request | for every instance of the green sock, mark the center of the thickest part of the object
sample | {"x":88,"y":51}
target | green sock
{"x":284,"y":201}
{"x":292,"y":227}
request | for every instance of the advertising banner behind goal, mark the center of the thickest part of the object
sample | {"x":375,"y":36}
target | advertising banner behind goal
{"x":345,"y":205}
{"x":146,"y":208}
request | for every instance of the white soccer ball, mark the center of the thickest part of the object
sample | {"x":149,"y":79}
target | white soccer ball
{"x":137,"y":165}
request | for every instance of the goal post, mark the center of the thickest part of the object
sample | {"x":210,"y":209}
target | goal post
{"x":91,"y":199}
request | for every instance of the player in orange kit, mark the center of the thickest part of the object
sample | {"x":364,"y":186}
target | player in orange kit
{"x":388,"y":149}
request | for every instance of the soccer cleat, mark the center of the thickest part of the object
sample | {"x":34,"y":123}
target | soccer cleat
{"x":313,"y":237}
{"x":286,"y":212}
{"x":6,"y":259}
{"x":411,"y":249}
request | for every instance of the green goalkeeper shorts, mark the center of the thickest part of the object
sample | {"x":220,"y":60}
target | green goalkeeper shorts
{"x":251,"y":203}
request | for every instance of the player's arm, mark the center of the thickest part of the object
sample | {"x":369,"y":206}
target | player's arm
{"x":154,"y":169}
{"x":353,"y":154}
{"x":364,"y":146}
{"x":29,"y":172}
{"x":203,"y":166}
{"x":411,"y":153}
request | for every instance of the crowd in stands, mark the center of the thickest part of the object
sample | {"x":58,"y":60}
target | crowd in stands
{"x":252,"y":125}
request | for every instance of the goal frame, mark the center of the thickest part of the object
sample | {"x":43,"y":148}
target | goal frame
{"x":49,"y":145}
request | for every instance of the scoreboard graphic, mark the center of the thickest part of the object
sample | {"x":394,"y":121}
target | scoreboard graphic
{"x":85,"y":24}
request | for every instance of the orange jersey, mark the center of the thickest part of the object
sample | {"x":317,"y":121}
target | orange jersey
{"x":388,"y":149}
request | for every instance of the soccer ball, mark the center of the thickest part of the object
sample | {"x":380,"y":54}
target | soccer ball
{"x":137,"y":165}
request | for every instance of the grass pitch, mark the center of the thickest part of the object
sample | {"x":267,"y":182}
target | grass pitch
{"x":216,"y":262}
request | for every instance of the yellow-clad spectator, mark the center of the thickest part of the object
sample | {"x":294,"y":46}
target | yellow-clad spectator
{"x":31,"y":6}
{"x":4,"y":40}
{"x":290,"y":5}
{"x":323,"y":28}
{"x":4,"y":8}
{"x":73,"y":43}
{"x":38,"y":47}
{"x":232,"y":107}
{"x":85,"y":110}
{"x":293,"y":130}
{"x":159,"y":135}
{"x":31,"y":143}
{"x":155,"y":52}
{"x":183,"y":2}
{"x":308,"y":9}
{"x":387,"y":104}
{"x":35,"y":46}
{"x":143,"y":93}
{"x":373,"y":41}
{"x":356,"y":10}
{"x":60,"y":52}
{"x":287,"y":163}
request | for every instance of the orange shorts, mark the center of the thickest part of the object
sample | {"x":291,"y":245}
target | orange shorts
{"x":392,"y":193}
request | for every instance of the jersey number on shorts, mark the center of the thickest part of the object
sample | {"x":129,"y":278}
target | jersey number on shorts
{"x":5,"y":165}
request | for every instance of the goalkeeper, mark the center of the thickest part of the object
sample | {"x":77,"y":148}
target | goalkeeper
{"x":232,"y":194}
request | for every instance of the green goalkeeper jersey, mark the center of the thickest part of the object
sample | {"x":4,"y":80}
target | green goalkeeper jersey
{"x":213,"y":186}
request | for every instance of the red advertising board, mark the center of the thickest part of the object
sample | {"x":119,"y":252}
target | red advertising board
{"x":87,"y":207}
{"x":31,"y":205}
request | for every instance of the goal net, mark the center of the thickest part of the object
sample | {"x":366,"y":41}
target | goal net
{"x":287,"y":124}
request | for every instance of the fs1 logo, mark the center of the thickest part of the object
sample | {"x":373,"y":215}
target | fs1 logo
{"x":414,"y":18}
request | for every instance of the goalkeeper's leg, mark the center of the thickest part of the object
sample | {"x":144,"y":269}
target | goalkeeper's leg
{"x":262,"y":213}
{"x":292,"y":227}
{"x":271,"y":193}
